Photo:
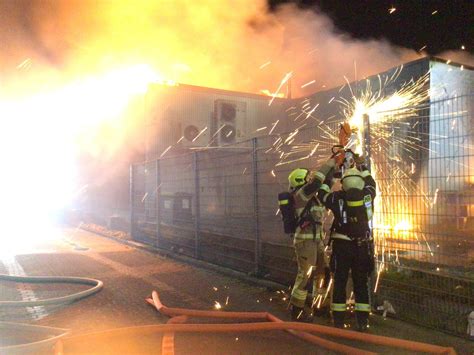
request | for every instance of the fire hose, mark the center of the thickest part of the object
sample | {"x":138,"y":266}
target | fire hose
{"x":54,"y":336}
{"x":178,"y":316}
{"x":97,"y":286}
{"x":292,"y":327}
{"x":57,"y":332}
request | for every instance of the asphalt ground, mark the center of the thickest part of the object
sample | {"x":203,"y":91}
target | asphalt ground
{"x":130,"y":274}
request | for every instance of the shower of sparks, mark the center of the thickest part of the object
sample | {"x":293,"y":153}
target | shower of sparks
{"x":261,"y":129}
{"x":26,"y":64}
{"x":435,"y":198}
{"x":398,"y":134}
{"x":392,"y":10}
{"x":328,"y":289}
{"x":157,"y":188}
{"x":273,"y":127}
{"x":434,"y":12}
{"x":308,"y":83}
{"x":265,"y":64}
{"x":312,"y":110}
{"x":200,"y":133}
{"x":283,"y":81}
{"x":273,"y":173}
{"x":165,"y":151}
{"x":379,"y":271}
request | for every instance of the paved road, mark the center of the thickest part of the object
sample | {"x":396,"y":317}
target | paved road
{"x":129,"y":276}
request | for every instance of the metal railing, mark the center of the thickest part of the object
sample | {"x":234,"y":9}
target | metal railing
{"x":219,"y":205}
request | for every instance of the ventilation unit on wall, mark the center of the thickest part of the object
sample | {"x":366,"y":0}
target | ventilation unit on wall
{"x":230,"y":121}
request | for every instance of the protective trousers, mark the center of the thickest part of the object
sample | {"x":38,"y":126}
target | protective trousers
{"x":311,"y":263}
{"x":356,"y":257}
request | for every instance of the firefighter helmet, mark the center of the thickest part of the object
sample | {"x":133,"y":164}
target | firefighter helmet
{"x":352,"y":179}
{"x":297,"y":178}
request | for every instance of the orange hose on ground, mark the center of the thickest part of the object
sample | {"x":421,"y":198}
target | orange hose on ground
{"x":247,"y":327}
{"x":330,"y":345}
{"x":167,"y":343}
{"x":171,"y":312}
{"x":58,"y":348}
{"x":347,"y":334}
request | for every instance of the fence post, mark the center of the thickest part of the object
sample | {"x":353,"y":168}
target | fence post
{"x":158,"y":203}
{"x":255,"y":206}
{"x":366,"y":139}
{"x":197,"y":214}
{"x":366,"y":153}
{"x":132,"y":215}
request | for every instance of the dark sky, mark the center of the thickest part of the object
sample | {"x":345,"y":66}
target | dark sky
{"x":411,"y":25}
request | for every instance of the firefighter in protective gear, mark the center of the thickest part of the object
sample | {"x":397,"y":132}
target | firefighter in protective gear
{"x":308,"y":239}
{"x":352,"y":243}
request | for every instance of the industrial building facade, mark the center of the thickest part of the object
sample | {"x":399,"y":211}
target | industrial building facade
{"x":216,"y":160}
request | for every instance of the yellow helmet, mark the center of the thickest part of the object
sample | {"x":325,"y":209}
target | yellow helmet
{"x":297,"y":178}
{"x":352,"y":179}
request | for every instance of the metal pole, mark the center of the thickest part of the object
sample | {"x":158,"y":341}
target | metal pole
{"x":366,"y":152}
{"x":197,"y":214}
{"x":366,"y":146}
{"x":132,"y":215}
{"x":158,"y":203}
{"x":255,"y":206}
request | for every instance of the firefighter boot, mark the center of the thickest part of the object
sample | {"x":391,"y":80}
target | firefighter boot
{"x":338,"y":318}
{"x":299,"y":314}
{"x":296,"y":313}
{"x":362,"y":319}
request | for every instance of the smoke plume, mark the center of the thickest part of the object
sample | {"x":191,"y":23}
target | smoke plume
{"x":236,"y":45}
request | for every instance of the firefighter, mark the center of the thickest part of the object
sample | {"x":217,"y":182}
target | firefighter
{"x":352,"y":243}
{"x":307,"y":238}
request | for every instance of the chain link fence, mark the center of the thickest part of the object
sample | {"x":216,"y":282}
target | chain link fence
{"x":220,"y":205}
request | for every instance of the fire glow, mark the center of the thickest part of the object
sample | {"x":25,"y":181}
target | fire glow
{"x":56,"y":126}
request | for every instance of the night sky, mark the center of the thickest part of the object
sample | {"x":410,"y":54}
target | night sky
{"x":412,"y":24}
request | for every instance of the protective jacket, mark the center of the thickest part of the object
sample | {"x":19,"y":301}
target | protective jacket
{"x":352,"y":246}
{"x":352,"y":209}
{"x":308,"y":244}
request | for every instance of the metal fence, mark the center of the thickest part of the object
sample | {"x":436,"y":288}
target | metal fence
{"x":219,"y":205}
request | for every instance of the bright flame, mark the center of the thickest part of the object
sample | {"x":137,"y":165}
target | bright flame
{"x":42,"y":135}
{"x":402,"y":227}
{"x":267,"y":92}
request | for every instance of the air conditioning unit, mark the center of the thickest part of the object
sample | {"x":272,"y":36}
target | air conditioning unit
{"x":187,"y":134}
{"x":230,"y":121}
